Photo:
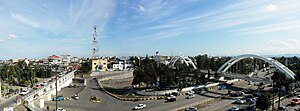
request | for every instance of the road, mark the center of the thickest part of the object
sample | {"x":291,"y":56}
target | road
{"x":109,"y":103}
{"x":224,"y":104}
{"x":8,"y":102}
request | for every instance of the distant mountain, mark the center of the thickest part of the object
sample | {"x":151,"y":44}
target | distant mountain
{"x":280,"y":55}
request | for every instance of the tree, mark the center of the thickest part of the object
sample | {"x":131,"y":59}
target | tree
{"x":86,"y":66}
{"x":263,"y":102}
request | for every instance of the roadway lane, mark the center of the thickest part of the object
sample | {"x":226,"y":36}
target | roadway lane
{"x":111,"y":104}
{"x":8,"y":102}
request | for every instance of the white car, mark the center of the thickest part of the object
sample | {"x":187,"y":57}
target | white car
{"x":233,"y":108}
{"x":76,"y":97}
{"x":140,"y":106}
{"x":190,"y":92}
{"x":24,"y":92}
{"x":44,"y":83}
{"x":239,"y":101}
{"x":60,"y":109}
{"x":190,"y":96}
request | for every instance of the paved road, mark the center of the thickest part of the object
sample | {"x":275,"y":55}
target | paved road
{"x":224,"y":104}
{"x":8,"y":102}
{"x":111,"y":104}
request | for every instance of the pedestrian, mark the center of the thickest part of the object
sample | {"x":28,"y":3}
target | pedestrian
{"x":47,"y":108}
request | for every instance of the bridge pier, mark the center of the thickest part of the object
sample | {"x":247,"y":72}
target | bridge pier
{"x":48,"y":96}
{"x":31,"y":104}
{"x":42,"y":102}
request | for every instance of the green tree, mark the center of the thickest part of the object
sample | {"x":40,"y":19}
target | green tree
{"x":263,"y":102}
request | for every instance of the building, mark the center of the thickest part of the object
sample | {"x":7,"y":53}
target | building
{"x":122,"y":64}
{"x":54,"y":59}
{"x":99,"y":64}
{"x":159,"y":59}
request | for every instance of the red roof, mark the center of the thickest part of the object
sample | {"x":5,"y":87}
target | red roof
{"x":53,"y":57}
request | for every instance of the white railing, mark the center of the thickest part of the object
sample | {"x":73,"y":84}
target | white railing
{"x":48,"y":87}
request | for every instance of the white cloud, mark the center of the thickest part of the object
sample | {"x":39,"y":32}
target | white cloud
{"x":25,"y":20}
{"x":278,"y":43}
{"x":12,"y":36}
{"x":271,"y":7}
{"x":290,"y":25}
{"x":141,"y":8}
{"x":2,"y":40}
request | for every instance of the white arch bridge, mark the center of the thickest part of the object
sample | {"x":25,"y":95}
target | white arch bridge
{"x":288,"y":73}
{"x":185,"y":60}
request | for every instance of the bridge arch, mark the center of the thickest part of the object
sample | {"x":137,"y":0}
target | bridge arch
{"x":185,"y":60}
{"x":288,"y":73}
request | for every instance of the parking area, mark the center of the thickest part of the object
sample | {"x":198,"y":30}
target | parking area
{"x":66,"y":92}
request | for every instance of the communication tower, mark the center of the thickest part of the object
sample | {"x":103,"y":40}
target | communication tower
{"x":95,"y":44}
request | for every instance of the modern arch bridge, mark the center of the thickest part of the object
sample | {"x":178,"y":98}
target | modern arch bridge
{"x":282,"y":68}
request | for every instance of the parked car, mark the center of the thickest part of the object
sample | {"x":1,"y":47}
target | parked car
{"x":139,"y":106}
{"x":44,"y":83}
{"x":58,"y":98}
{"x":282,"y":108}
{"x":240,"y":93}
{"x":76,"y":97}
{"x":251,"y":100}
{"x":60,"y":109}
{"x":171,"y":98}
{"x":190,"y":96}
{"x":190,"y":92}
{"x":239,"y":101}
{"x":191,"y":109}
{"x":248,"y":108}
{"x":295,"y":101}
{"x":233,"y":108}
{"x":222,"y":87}
{"x":236,"y":94}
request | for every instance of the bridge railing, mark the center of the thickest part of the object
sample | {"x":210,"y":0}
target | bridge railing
{"x":48,"y":87}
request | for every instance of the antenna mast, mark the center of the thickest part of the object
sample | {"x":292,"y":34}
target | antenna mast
{"x":95,"y":44}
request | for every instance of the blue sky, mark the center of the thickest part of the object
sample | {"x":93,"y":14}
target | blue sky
{"x":38,"y":28}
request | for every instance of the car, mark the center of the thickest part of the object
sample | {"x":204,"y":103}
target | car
{"x":60,"y":75}
{"x":76,"y":97}
{"x":190,"y":96}
{"x":191,"y":109}
{"x":58,"y":98}
{"x":282,"y":108}
{"x":236,"y":94}
{"x":295,"y":101}
{"x":240,"y":93}
{"x":222,"y":87}
{"x":239,"y":101}
{"x":190,"y":92}
{"x":60,"y":109}
{"x":251,"y":100}
{"x":139,"y":106}
{"x":36,"y":87}
{"x":233,"y":108}
{"x":44,"y":83}
{"x":248,"y":108}
{"x":171,"y":98}
{"x":24,"y":91}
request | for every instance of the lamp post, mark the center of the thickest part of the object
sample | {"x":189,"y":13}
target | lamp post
{"x":56,"y":88}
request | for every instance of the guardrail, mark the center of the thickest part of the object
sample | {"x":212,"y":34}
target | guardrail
{"x":48,"y":87}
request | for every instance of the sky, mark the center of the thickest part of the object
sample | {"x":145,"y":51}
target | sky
{"x":39,"y":28}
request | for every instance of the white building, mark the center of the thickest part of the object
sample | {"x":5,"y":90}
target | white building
{"x":122,"y":64}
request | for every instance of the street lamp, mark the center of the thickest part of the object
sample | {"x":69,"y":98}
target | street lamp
{"x":56,"y":87}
